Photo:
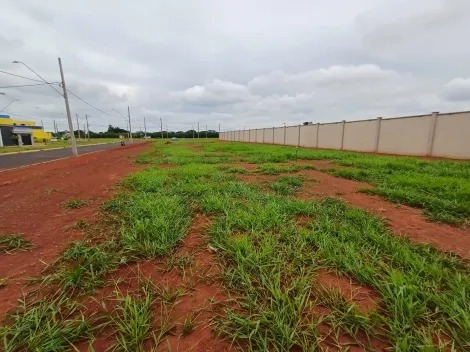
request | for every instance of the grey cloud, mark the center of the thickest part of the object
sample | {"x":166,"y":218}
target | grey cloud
{"x":458,"y":90}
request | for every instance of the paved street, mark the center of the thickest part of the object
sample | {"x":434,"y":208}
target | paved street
{"x":22,"y":159}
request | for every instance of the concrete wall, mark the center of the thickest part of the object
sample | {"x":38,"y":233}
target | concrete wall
{"x":269,"y":135}
{"x":360,"y":136}
{"x":246,"y":136}
{"x":403,"y":135}
{"x":252,"y":135}
{"x":279,"y":135}
{"x":329,"y":136}
{"x":308,"y":136}
{"x":452,"y":136}
{"x":259,"y":136}
{"x":292,"y":135}
{"x":439,"y":135}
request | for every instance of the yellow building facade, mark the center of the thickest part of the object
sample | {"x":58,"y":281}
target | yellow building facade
{"x":38,"y":133}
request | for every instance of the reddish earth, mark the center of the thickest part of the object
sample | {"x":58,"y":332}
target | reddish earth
{"x":402,"y":220}
{"x":364,"y":297}
{"x":32,"y":204}
{"x":202,"y":296}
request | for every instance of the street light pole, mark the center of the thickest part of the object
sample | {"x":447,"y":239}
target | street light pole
{"x":67,"y":107}
{"x":130,"y":127}
{"x":145,"y":128}
{"x":78,"y":126}
{"x":87,"y":127}
{"x":161,"y":127}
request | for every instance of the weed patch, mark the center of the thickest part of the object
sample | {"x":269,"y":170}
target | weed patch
{"x":76,"y":203}
{"x":11,"y":243}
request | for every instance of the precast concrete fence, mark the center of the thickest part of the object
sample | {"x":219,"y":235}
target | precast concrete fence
{"x":437,"y":135}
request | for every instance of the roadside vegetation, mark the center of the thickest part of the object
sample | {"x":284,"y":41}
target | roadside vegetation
{"x":270,"y":262}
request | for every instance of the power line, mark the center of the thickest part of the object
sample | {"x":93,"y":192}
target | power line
{"x":27,"y":85}
{"x":31,"y":79}
{"x":103,"y":112}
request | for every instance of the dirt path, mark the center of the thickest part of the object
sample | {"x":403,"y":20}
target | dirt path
{"x":32,"y":204}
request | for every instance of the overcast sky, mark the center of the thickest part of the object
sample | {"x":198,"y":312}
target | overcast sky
{"x":240,"y":63}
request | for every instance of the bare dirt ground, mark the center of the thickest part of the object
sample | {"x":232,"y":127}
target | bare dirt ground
{"x":32,"y":205}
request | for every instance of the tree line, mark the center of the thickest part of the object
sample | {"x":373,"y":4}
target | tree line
{"x":116,"y":132}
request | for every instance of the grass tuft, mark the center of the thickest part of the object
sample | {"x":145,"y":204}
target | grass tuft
{"x":11,"y":243}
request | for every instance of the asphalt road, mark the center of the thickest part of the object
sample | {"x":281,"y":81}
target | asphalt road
{"x":10,"y":161}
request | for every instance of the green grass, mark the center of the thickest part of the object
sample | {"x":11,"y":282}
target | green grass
{"x":76,"y":203}
{"x":83,"y":267}
{"x":440,"y":187}
{"x":48,"y":325}
{"x":287,"y":185}
{"x":132,"y":319}
{"x":273,"y":169}
{"x":11,"y":243}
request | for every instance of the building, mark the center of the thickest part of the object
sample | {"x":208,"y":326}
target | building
{"x":13,"y":132}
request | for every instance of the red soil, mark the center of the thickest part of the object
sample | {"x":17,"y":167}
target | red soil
{"x":197,"y":298}
{"x":32,"y":204}
{"x":364,"y":297}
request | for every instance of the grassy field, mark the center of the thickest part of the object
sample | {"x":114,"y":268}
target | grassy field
{"x":440,"y":188}
{"x":270,"y":260}
{"x":58,"y":144}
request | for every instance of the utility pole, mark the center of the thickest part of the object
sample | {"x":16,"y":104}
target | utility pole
{"x":42,"y":124}
{"x":166,"y":131}
{"x":67,"y":107}
{"x":198,"y":130}
{"x":193,"y":133}
{"x":206,"y":131}
{"x":161,"y":127}
{"x":145,"y":128}
{"x":130,"y":127}
{"x":87,"y":127}
{"x":55,"y":128}
{"x":219,"y":129}
{"x":78,"y":127}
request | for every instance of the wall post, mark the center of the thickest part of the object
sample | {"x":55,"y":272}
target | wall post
{"x":285,"y":134}
{"x":318,"y":133}
{"x":432,"y":133}
{"x":298,"y":139}
{"x":249,"y":136}
{"x":377,"y":134}
{"x":273,"y":135}
{"x":342,"y":134}
{"x":264,"y":130}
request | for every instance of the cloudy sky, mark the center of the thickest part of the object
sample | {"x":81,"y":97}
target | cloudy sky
{"x":240,"y":63}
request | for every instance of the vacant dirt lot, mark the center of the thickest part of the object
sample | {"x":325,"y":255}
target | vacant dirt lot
{"x":32,"y":204}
